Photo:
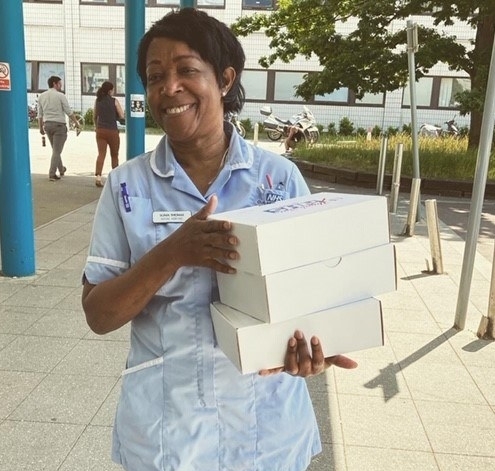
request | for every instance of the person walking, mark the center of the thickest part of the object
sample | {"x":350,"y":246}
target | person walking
{"x":107,"y":111}
{"x":183,"y":405}
{"x":52,"y":110}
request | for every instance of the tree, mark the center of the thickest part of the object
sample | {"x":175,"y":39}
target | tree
{"x":373,"y":58}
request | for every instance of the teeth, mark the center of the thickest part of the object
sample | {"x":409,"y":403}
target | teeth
{"x":178,"y":109}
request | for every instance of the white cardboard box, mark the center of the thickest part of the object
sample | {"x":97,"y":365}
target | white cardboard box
{"x":291,"y":293}
{"x":299,"y":231}
{"x":253,"y":345}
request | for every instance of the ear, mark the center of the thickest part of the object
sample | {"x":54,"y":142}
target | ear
{"x":228,"y":79}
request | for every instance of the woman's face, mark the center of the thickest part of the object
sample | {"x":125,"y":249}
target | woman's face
{"x":184,"y":96}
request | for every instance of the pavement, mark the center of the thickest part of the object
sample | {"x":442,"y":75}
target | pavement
{"x":424,"y":401}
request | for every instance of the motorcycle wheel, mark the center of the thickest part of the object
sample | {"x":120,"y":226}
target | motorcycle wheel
{"x":241,"y":130}
{"x":313,"y":137}
{"x":273,"y":135}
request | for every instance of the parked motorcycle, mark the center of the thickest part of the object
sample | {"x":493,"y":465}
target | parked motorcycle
{"x":432,"y":130}
{"x":233,"y":118}
{"x":33,"y":111}
{"x":276,"y":128}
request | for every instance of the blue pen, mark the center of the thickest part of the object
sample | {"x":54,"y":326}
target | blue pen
{"x":125,"y":197}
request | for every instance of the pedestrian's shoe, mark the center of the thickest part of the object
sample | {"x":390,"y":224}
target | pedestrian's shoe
{"x":98,"y":181}
{"x":53,"y":178}
{"x":63,"y":172}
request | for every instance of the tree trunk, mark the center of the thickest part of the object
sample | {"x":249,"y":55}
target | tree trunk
{"x":485,"y":33}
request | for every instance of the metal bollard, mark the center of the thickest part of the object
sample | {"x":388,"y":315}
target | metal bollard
{"x":413,"y":207}
{"x":394,"y":196}
{"x":256,"y":131}
{"x":434,"y":235}
{"x":381,"y":165}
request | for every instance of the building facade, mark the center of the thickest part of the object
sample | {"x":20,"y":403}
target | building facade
{"x":83,"y":42}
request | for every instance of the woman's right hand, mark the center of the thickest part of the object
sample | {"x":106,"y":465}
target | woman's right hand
{"x":203,"y":242}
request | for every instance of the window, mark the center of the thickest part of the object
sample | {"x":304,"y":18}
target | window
{"x":105,"y":2}
{"x":449,"y":88}
{"x":258,"y":4}
{"x":37,"y":74}
{"x":340,"y":95}
{"x":255,"y":84}
{"x":285,"y":83}
{"x":93,"y":75}
{"x":424,"y":87}
{"x":176,"y":3}
{"x":29,"y":76}
{"x":371,"y":99}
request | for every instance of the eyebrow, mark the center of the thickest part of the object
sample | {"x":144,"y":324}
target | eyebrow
{"x":176,"y":59}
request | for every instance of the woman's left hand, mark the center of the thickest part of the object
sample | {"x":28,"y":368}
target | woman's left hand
{"x":299,"y":361}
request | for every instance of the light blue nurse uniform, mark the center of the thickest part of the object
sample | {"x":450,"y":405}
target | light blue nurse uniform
{"x":183,"y":405}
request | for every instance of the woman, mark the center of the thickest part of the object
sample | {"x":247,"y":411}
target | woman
{"x":107,"y":111}
{"x":183,"y":405}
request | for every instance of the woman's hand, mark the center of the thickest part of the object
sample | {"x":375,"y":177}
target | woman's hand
{"x":299,"y":361}
{"x":202,"y":242}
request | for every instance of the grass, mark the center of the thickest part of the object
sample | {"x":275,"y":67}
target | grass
{"x":445,"y":158}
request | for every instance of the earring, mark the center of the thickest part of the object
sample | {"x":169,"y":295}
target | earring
{"x":224,"y":93}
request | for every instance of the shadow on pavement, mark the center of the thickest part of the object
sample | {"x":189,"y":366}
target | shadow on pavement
{"x":52,"y":200}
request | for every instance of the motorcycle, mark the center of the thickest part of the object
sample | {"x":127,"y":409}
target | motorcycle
{"x":33,"y":111}
{"x":276,"y":128}
{"x":233,"y":118}
{"x":431,"y":130}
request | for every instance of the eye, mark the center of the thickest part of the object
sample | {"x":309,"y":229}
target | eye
{"x":153,"y":78}
{"x":187,"y":70}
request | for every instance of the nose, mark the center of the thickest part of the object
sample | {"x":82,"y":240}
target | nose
{"x":170,"y":85}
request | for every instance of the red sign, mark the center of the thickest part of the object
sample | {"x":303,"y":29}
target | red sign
{"x":4,"y":76}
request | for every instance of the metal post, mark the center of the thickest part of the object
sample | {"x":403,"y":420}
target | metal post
{"x":434,"y":235}
{"x":394,"y":197}
{"x":413,"y":205}
{"x":381,"y":165}
{"x":412,"y":47}
{"x":134,"y":91}
{"x":479,"y":185}
{"x":256,"y":133}
{"x":16,"y":207}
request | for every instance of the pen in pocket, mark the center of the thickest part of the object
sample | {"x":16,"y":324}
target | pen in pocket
{"x":125,"y":197}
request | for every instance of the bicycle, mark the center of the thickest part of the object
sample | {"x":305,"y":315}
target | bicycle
{"x":80,"y":121}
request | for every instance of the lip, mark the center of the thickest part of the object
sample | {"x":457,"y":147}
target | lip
{"x":176,"y":110}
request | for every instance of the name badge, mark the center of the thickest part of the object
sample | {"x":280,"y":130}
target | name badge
{"x":165,"y":217}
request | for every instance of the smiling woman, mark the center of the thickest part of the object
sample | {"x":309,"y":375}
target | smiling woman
{"x":152,"y":262}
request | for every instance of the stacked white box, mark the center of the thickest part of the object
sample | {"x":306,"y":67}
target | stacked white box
{"x":322,"y":285}
{"x":253,"y":345}
{"x":304,"y":263}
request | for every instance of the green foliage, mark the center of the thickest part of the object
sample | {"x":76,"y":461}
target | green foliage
{"x":376,"y":131}
{"x":373,"y":57}
{"x":346,"y":127}
{"x":392,"y":131}
{"x":149,"y":121}
{"x":89,"y":117}
{"x":407,"y":129}
{"x":448,"y":158}
{"x":332,"y":129}
{"x":248,"y":126}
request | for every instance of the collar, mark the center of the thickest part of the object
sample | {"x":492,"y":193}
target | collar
{"x":240,"y":155}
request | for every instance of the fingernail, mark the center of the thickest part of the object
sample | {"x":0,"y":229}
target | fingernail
{"x":292,"y":342}
{"x":298,"y":335}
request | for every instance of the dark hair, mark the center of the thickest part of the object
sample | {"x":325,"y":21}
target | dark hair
{"x":212,"y":39}
{"x":53,"y":80}
{"x":103,"y":90}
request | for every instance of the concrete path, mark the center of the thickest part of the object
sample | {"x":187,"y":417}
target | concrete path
{"x":425,"y":401}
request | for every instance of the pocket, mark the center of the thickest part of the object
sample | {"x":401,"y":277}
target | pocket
{"x":139,"y":417}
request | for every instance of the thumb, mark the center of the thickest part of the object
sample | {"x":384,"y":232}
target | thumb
{"x":208,"y":208}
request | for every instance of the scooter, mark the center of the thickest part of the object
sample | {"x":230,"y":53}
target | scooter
{"x":234,"y":119}
{"x":431,"y":130}
{"x":276,"y":128}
